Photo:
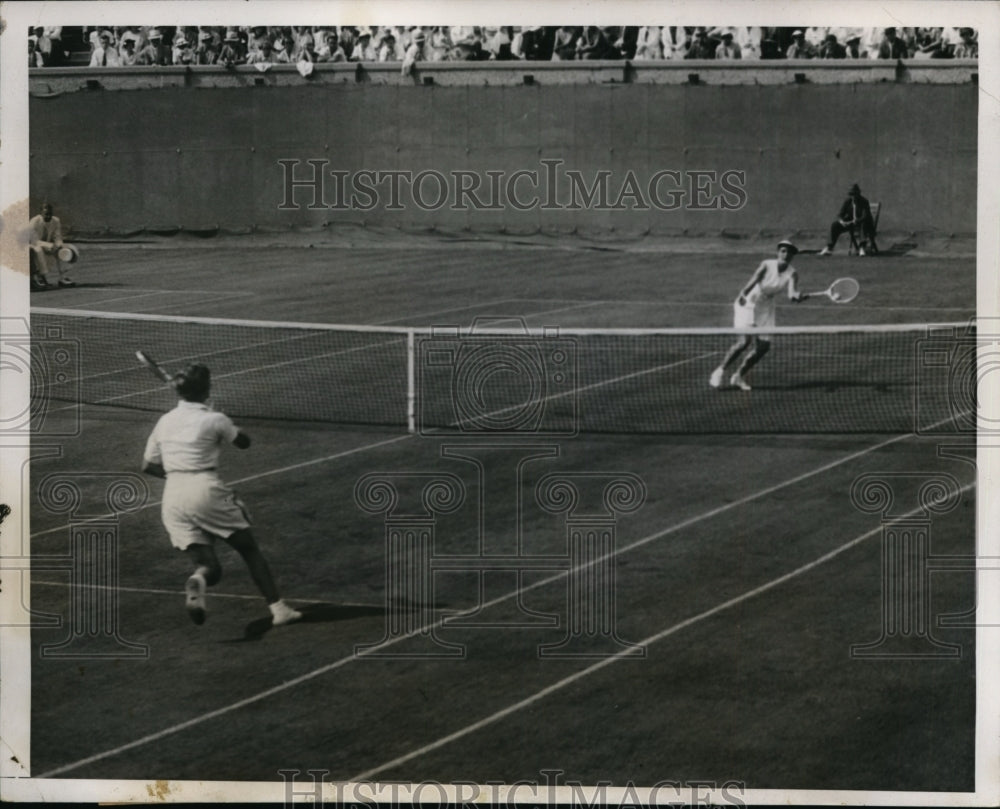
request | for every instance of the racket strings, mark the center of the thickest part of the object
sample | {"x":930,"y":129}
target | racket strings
{"x":844,"y":289}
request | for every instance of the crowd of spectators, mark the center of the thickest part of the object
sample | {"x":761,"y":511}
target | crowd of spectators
{"x":262,"y":45}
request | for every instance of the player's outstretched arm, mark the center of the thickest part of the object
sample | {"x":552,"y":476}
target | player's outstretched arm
{"x":242,"y":440}
{"x":793,"y":289}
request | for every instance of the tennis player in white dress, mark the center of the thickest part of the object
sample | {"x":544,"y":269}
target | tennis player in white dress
{"x":755,"y":309}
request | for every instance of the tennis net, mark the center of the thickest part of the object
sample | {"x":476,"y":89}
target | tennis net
{"x":889,"y":379}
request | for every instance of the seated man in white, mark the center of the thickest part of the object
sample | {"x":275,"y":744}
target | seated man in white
{"x":48,"y":251}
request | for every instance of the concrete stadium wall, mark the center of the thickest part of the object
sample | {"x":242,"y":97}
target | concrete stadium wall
{"x":678,"y":157}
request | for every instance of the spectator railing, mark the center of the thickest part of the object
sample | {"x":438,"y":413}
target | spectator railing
{"x":44,"y":81}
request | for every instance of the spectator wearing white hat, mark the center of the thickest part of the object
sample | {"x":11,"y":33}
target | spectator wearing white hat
{"x":104,"y":54}
{"x":800,"y":49}
{"x":364,"y":50}
{"x":231,"y":52}
{"x":728,"y":49}
{"x":853,"y":47}
{"x":183,"y":51}
{"x":207,"y":51}
{"x":415,"y":52}
{"x":154,"y":52}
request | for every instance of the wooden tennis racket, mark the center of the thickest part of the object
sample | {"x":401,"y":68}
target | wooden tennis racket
{"x":843,"y":290}
{"x":155,"y":368}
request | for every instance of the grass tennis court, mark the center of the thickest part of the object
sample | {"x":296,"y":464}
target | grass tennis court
{"x":746,"y":575}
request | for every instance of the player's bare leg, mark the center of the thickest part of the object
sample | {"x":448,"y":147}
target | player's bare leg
{"x":760,"y":348}
{"x":734,"y":351}
{"x":207,"y":572}
{"x":244,"y":543}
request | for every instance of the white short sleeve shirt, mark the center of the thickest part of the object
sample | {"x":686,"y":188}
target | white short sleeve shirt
{"x":189,"y":438}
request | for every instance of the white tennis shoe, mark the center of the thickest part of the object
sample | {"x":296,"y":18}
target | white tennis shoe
{"x":738,"y":381}
{"x":282,"y":614}
{"x":715,"y":380}
{"x":194,"y":591}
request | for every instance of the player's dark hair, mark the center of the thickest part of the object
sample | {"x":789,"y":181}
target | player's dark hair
{"x":194,"y":382}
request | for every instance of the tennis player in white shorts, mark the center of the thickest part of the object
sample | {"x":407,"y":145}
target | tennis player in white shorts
{"x":198,"y":507}
{"x":754,"y":309}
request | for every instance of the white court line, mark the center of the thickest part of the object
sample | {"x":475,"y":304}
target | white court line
{"x":442,"y":431}
{"x":527,"y":315}
{"x":150,"y":291}
{"x":145,"y":293}
{"x":303,"y":678}
{"x":444,"y":311}
{"x":174,"y":360}
{"x":379,"y":443}
{"x":187,"y":300}
{"x":574,"y":391}
{"x":211,"y":594}
{"x":311,"y":358}
{"x":607,"y":661}
{"x":240,"y":481}
{"x":154,"y":591}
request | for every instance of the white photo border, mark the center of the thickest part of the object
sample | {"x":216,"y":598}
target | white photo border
{"x":15,"y":658}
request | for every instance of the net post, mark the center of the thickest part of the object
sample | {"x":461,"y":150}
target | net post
{"x":411,"y":393}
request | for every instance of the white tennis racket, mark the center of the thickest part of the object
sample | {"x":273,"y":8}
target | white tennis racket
{"x":843,"y":290}
{"x":155,"y":368}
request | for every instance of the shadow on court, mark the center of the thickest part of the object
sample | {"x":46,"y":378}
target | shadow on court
{"x":312,"y":614}
{"x":830,"y":386}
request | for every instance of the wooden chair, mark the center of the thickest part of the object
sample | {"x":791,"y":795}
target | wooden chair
{"x":855,"y":232}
